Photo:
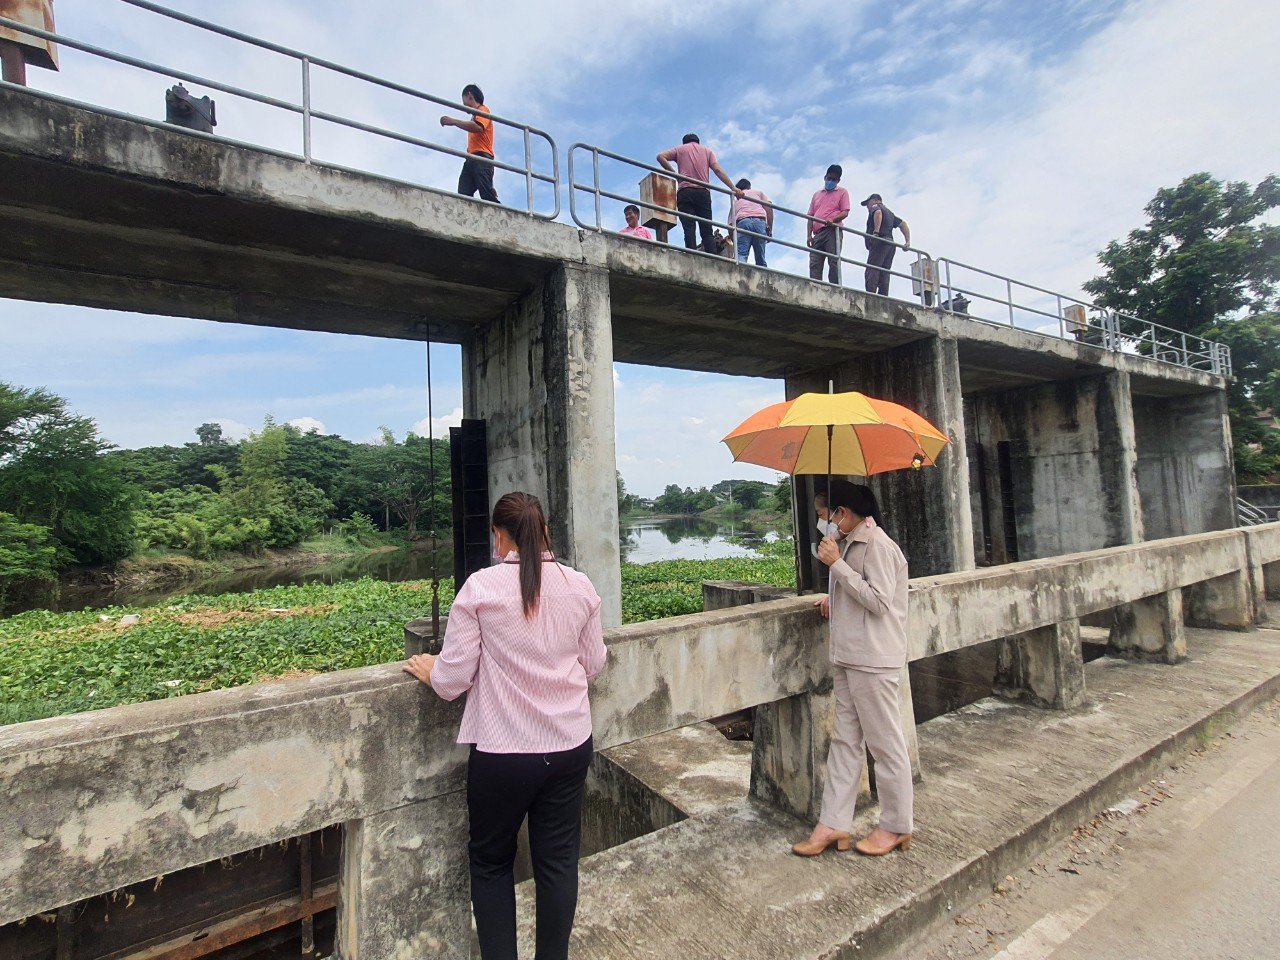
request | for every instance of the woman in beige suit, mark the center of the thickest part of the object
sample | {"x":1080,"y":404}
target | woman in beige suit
{"x":867,"y":607}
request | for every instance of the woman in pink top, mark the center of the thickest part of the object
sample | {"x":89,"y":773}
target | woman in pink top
{"x":524,"y":637}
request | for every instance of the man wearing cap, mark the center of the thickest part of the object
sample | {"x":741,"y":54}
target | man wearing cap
{"x":828,"y":208}
{"x":881,"y":223}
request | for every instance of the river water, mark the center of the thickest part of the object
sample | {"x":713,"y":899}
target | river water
{"x":641,"y":541}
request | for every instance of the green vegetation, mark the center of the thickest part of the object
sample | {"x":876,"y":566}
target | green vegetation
{"x":727,"y":498}
{"x":1208,"y":263}
{"x":57,"y":663}
{"x":67,"y":498}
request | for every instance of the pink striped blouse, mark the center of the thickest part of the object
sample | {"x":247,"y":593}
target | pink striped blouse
{"x":525,"y":680}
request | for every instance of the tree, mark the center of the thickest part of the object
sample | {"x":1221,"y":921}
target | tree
{"x":397,"y":477}
{"x":210,"y":434}
{"x":1207,"y":263}
{"x":1204,"y":255}
{"x":53,"y":475}
{"x":28,"y":558}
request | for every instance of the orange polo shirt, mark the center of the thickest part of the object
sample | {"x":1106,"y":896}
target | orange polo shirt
{"x":481,"y":142}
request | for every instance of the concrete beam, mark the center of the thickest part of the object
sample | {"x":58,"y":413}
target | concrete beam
{"x":1150,"y":629}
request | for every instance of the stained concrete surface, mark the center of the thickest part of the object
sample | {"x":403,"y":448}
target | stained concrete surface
{"x":1002,"y":782}
{"x":1186,"y":866}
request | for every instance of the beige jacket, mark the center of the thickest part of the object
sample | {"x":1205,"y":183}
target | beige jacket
{"x":869,"y":601}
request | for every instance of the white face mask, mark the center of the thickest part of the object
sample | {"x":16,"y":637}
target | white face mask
{"x":828,"y":529}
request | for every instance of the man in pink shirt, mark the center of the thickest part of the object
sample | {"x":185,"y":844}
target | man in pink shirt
{"x":695,"y":163}
{"x":828,"y":208}
{"x":633,"y":228}
{"x":752,"y":214}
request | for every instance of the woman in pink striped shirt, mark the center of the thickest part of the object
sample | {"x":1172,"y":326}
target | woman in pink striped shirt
{"x":524,"y":637}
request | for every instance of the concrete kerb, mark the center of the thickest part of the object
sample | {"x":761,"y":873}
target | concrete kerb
{"x":911,"y":920}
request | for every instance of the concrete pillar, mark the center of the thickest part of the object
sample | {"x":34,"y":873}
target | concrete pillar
{"x":1186,"y":473}
{"x":1150,"y":629}
{"x":542,"y":377}
{"x":926,"y":511}
{"x":1059,"y":467}
{"x":404,"y":889}
{"x":1223,"y":603}
{"x":1044,"y":667}
{"x":1271,"y":580}
{"x":789,"y":744}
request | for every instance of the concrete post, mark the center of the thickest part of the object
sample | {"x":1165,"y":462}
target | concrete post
{"x":1150,"y":629}
{"x":1271,"y":580}
{"x":404,"y":887}
{"x":1223,"y":603}
{"x":542,"y":377}
{"x":789,"y":744}
{"x":926,"y":511}
{"x":1045,"y":667}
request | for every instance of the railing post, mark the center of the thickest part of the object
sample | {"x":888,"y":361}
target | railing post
{"x":528,"y":168}
{"x":595,"y":182}
{"x":306,"y":109}
{"x":1008,"y":290}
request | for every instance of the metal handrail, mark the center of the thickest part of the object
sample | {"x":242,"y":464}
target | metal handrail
{"x":304,"y":109}
{"x":1250,"y":515}
{"x":598,"y":194}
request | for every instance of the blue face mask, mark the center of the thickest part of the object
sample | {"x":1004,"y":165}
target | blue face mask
{"x":829,"y":185}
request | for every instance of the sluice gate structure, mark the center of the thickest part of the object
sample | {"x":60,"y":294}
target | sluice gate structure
{"x":1090,"y":478}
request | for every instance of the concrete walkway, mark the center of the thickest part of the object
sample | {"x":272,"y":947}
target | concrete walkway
{"x":1002,"y":782}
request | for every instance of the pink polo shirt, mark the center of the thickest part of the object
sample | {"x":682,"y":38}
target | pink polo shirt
{"x":751,"y":205}
{"x":827,"y":204}
{"x":637,"y":231}
{"x":525,"y":680}
{"x":694,"y":161}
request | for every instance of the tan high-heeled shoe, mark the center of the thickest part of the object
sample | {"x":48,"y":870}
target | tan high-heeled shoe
{"x":811,"y":848}
{"x":867,"y":848}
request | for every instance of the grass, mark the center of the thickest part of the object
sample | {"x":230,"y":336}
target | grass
{"x":58,"y":663}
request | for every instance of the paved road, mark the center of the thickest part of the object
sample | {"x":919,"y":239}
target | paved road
{"x":1193,"y":872}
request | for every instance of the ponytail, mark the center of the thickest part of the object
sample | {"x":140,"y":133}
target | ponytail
{"x":520,"y":516}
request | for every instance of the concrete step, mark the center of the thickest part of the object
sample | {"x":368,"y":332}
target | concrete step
{"x":1001,"y":782}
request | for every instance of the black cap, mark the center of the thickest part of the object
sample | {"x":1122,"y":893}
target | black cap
{"x":874,"y":196}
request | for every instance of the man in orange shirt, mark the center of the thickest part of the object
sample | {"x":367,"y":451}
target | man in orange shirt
{"x":476,"y":174}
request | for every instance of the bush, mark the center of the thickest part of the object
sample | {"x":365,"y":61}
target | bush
{"x":28,"y":559}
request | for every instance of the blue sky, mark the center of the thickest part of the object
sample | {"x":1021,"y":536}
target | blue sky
{"x":1016,"y":136}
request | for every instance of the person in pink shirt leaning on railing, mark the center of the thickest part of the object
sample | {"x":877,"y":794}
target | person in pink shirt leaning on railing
{"x":827,"y":210}
{"x":524,"y":637}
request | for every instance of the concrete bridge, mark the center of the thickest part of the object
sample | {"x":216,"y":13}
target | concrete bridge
{"x":1060,"y":446}
{"x":96,"y":802}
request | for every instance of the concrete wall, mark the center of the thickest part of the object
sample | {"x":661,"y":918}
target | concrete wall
{"x":542,"y":376}
{"x":1186,"y":475}
{"x":1072,"y":459}
{"x":96,"y":801}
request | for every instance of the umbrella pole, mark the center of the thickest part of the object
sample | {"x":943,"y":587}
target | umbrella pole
{"x":829,"y":430}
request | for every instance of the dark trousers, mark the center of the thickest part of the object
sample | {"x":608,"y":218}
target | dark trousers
{"x":879,"y":261}
{"x":477,"y":175}
{"x":502,"y":788}
{"x":824,"y":244}
{"x":697,"y":201}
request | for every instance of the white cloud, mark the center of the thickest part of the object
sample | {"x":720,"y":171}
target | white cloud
{"x":440,"y":425}
{"x":308,"y":425}
{"x":234,"y":429}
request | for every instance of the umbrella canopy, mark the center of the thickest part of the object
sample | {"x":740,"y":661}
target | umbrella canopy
{"x":841,"y":433}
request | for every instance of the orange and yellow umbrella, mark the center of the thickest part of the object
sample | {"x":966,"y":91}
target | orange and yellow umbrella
{"x":841,"y":433}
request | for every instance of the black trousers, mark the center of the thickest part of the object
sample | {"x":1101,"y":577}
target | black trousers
{"x":477,"y":175}
{"x":879,"y":260}
{"x":824,"y":246}
{"x":697,"y":201}
{"x":501,"y":789}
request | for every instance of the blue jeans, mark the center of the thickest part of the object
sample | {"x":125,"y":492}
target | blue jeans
{"x":751,"y":236}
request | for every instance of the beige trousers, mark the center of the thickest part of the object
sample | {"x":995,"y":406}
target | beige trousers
{"x":867,"y":717}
